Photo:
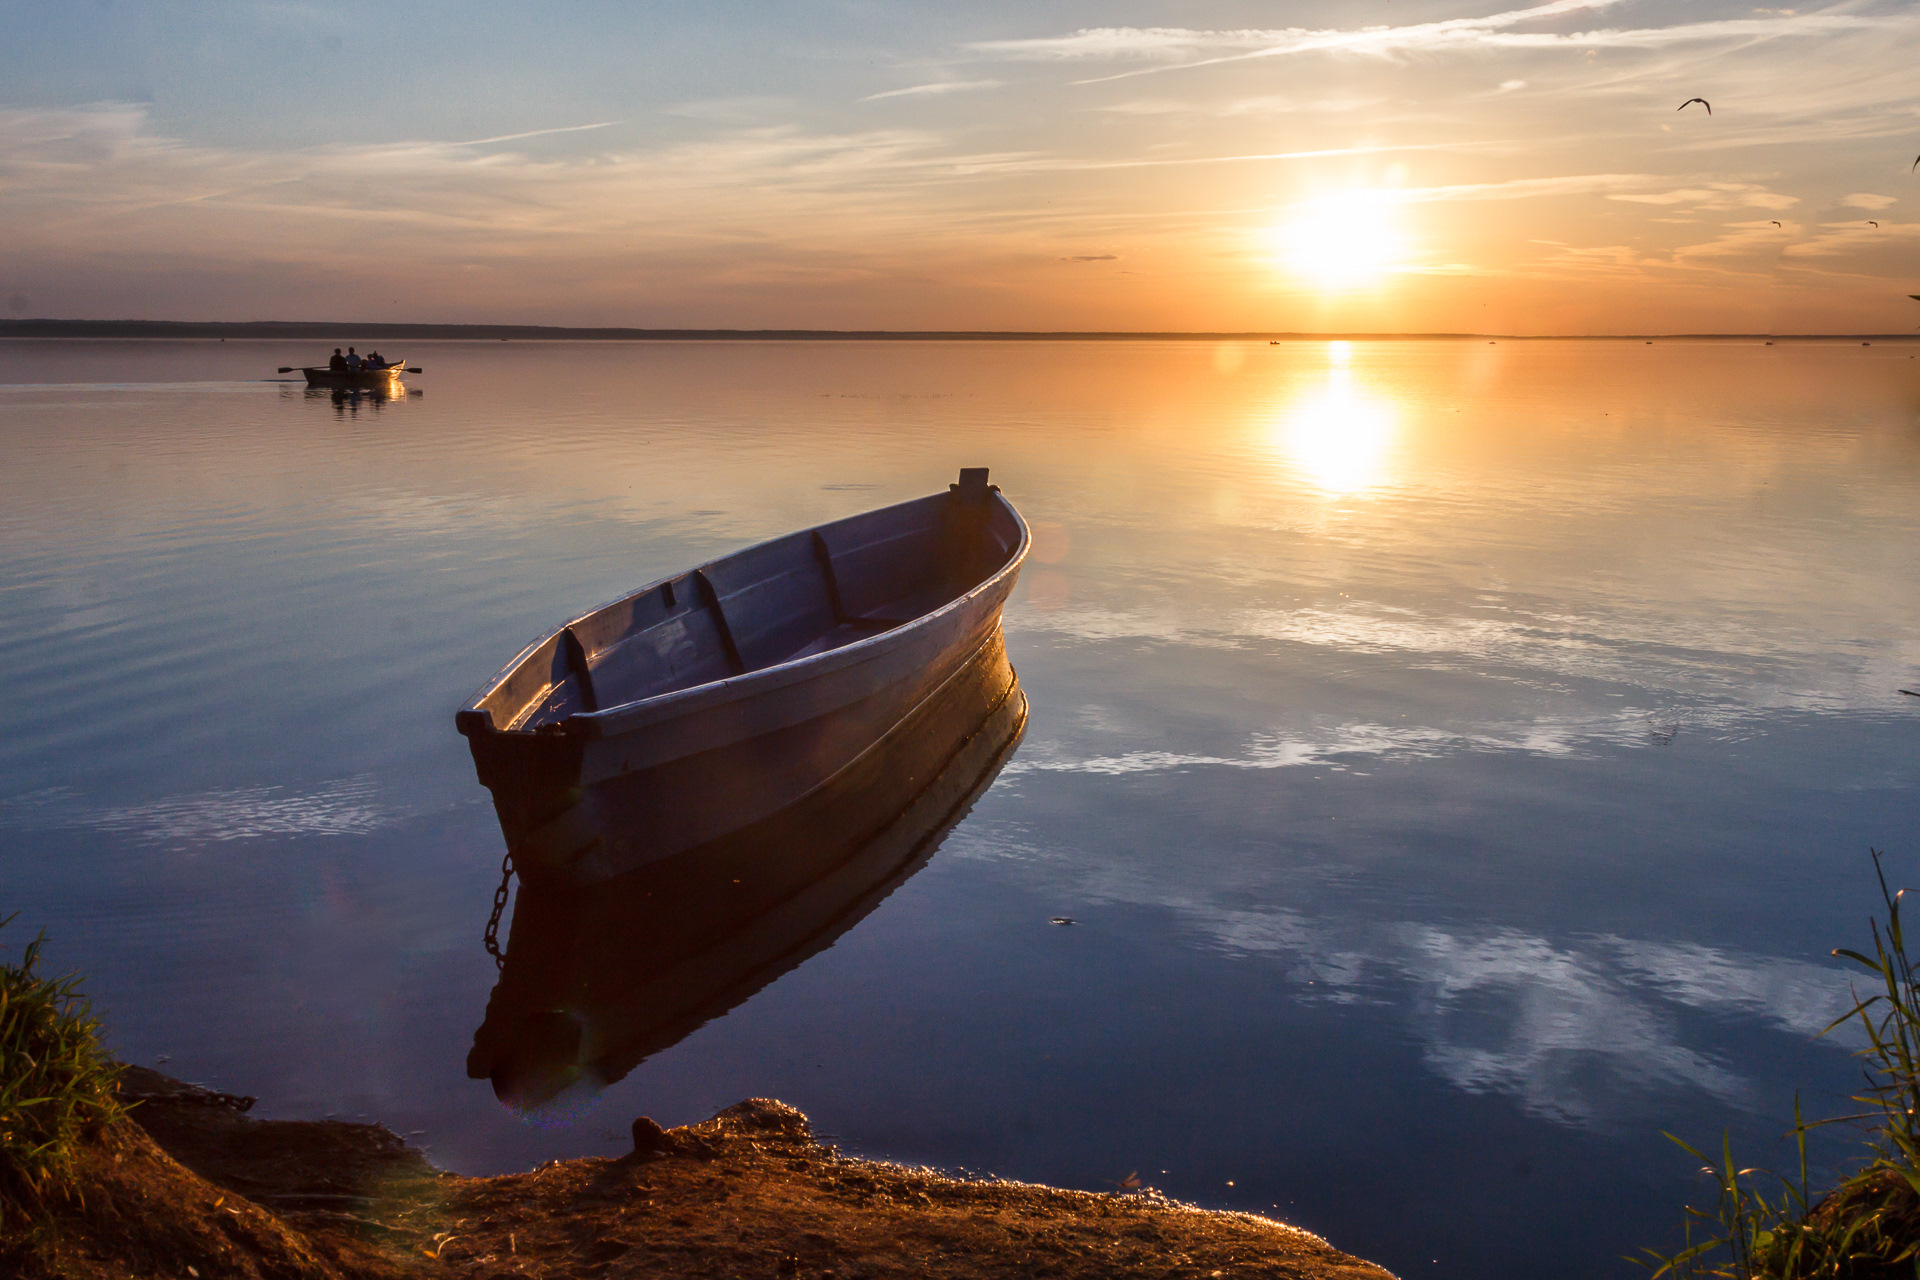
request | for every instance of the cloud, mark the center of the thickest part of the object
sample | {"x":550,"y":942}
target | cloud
{"x":1740,"y":238}
{"x":1720,"y":196}
{"x":1685,"y":195}
{"x":1180,"y":48}
{"x":1838,"y":238}
{"x":1093,"y":257}
{"x":1867,"y":200}
{"x":98,"y":178}
{"x":538,"y":133}
{"x":111,"y":217}
{"x":1258,"y":106}
{"x":1525,"y":188}
{"x":934,"y":90}
{"x":1104,"y":43}
{"x":1068,"y":164}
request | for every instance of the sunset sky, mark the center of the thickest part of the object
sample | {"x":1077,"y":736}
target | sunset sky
{"x":1390,"y":165}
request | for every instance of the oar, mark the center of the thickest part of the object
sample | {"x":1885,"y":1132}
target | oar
{"x":413,"y":368}
{"x":287,"y":368}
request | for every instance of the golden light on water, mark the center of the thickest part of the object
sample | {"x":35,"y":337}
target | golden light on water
{"x":1338,"y":436}
{"x":1347,"y":240}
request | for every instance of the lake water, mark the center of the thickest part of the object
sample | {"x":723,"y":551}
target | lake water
{"x":1459,"y":757}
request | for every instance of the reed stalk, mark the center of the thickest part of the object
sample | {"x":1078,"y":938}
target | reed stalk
{"x":1764,"y":1226}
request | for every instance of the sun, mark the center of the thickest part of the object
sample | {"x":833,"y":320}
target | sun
{"x":1346,"y":240}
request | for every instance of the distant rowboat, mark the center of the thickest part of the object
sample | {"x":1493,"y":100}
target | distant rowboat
{"x":355,"y":379}
{"x":720,"y":697}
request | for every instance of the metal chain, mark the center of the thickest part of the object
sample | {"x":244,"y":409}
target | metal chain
{"x":499,"y":907}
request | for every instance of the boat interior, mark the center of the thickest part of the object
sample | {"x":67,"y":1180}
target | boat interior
{"x":805,"y":594}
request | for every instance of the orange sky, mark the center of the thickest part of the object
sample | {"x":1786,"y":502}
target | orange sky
{"x":1417,"y":167}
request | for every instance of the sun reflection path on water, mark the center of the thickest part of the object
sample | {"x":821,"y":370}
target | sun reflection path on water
{"x":1338,"y":436}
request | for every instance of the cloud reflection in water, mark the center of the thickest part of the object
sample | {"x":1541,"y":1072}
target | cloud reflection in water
{"x":347,"y":807}
{"x":1578,"y":1031}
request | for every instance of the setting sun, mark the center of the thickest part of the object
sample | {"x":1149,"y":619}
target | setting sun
{"x":1343,"y":241}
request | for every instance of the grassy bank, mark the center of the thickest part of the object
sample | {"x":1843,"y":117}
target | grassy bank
{"x":57,"y":1086}
{"x":1763,"y":1225}
{"x":183,"y":1183}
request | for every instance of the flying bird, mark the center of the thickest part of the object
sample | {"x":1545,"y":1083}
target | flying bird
{"x":1916,"y":164}
{"x":1776,"y":222}
{"x":1709,"y":106}
{"x":1872,"y":223}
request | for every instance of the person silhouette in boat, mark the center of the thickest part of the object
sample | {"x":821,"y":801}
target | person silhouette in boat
{"x":354,"y":362}
{"x":374,"y":361}
{"x":338,"y":364}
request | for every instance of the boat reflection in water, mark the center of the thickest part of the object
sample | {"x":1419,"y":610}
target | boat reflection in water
{"x":347,"y":402}
{"x":597,"y":978}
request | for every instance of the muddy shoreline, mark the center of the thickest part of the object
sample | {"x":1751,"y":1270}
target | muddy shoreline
{"x":192,"y":1186}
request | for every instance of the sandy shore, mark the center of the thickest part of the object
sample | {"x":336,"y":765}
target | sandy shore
{"x":199,"y":1190}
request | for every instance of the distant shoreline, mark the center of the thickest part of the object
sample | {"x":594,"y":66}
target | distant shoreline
{"x":344,"y":331}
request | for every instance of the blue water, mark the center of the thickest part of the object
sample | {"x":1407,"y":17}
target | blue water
{"x":1460,"y":758}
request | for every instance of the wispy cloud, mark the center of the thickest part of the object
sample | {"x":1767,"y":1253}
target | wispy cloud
{"x":1183,"y":43}
{"x":1071,"y":164}
{"x":1258,"y":106}
{"x":1179,"y":48}
{"x":1741,"y":238}
{"x":1838,"y":238}
{"x":938,"y":89}
{"x":1716,"y":196}
{"x":538,"y":133}
{"x":1526,"y":188}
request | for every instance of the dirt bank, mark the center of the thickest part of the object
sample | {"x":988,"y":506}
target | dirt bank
{"x":197,"y":1189}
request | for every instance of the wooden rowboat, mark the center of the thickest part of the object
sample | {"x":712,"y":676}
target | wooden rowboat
{"x":351,"y":379}
{"x":597,"y":979}
{"x":723,"y":697}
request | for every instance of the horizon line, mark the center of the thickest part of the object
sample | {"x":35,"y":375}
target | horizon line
{"x":47,"y":327}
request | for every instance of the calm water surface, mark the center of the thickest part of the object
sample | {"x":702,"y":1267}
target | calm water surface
{"x":1460,"y":758}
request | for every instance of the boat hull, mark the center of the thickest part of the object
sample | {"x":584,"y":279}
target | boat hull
{"x":587,"y":793}
{"x":597,"y":979}
{"x":362,"y":380}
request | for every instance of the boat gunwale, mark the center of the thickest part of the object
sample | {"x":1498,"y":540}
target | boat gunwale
{"x":627,"y":716}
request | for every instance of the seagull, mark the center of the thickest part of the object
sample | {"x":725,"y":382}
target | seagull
{"x":1872,"y":223}
{"x":1709,"y":106}
{"x":1776,"y":222}
{"x":1916,"y":164}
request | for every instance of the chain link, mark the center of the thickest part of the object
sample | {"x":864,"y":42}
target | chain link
{"x":499,"y":908}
